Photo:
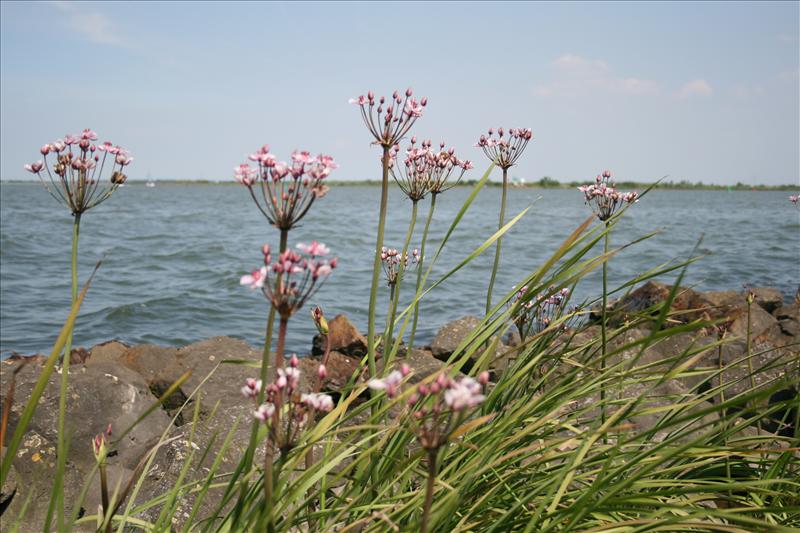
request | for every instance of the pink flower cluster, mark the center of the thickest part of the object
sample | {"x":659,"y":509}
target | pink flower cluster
{"x":389,"y":119}
{"x":425,"y":169}
{"x":284,"y":392}
{"x":437,"y":408}
{"x":536,"y":314}
{"x":504,"y":150}
{"x":74,"y":178}
{"x":391,"y":259}
{"x":293,"y":277}
{"x":603,"y":198}
{"x":287,"y":190}
{"x":794,"y":199}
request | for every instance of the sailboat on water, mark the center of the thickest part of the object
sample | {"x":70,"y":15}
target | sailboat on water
{"x":150,"y":182}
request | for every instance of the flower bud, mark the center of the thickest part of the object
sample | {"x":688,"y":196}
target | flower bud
{"x":293,"y":361}
{"x":319,"y":320}
{"x":483,"y":378}
{"x":423,"y":101}
{"x":405,"y":370}
{"x":409,"y":92}
{"x":100,"y":446}
{"x":322,"y":372}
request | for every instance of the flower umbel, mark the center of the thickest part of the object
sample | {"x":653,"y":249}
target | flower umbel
{"x":425,"y":169}
{"x":390,"y":257}
{"x":293,"y":277}
{"x":284,"y":192}
{"x":75,"y":176}
{"x":502,"y":149}
{"x":389,"y":119}
{"x":535,"y":314}
{"x":603,"y":198}
{"x":283,"y":399}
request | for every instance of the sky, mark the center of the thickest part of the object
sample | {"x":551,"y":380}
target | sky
{"x":696,"y":91}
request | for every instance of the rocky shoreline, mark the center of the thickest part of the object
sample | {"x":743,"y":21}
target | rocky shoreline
{"x":116,"y":383}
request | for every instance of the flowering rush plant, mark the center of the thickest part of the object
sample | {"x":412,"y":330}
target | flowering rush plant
{"x":283,"y":396}
{"x":391,"y":259}
{"x":389,"y":120}
{"x":437,"y":408}
{"x":286,"y":191}
{"x":74,"y":177}
{"x":504,"y":150}
{"x":536,"y":314}
{"x":603,"y":198}
{"x":293,"y":277}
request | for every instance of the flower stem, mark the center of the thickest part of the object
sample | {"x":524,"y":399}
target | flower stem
{"x":269,"y":486}
{"x":248,"y":459}
{"x":65,"y":360}
{"x":396,"y":296}
{"x":750,"y":355}
{"x":426,"y":510}
{"x":281,"y":341}
{"x":499,"y":242}
{"x":419,"y":271}
{"x":603,"y":335}
{"x":376,"y":266}
{"x":104,"y":496}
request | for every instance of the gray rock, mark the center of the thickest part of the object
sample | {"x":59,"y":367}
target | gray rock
{"x":96,"y":396}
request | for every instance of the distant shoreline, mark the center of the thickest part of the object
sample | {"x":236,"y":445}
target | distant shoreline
{"x":545,"y":183}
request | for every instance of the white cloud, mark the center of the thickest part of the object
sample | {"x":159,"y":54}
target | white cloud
{"x":573,"y":74}
{"x":695,"y":88}
{"x":92,"y":25}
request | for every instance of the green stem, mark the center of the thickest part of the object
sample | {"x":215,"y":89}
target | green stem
{"x":419,"y":270}
{"x":387,"y":333}
{"x":499,"y":242}
{"x":248,"y":459}
{"x":722,"y":413}
{"x":429,"y":486}
{"x":104,"y":497}
{"x":269,"y":486}
{"x":603,"y":347}
{"x":62,"y":401}
{"x":396,"y":296}
{"x":279,"y":358}
{"x":373,"y":296}
{"x":376,"y":265}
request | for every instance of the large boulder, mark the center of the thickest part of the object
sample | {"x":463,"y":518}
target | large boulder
{"x":97,"y":395}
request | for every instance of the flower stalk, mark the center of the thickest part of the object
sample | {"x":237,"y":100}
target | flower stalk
{"x":504,"y":151}
{"x":604,"y":200}
{"x":74,"y":178}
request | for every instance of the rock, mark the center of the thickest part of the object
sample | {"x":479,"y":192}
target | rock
{"x":451,"y":335}
{"x":788,"y":319}
{"x":340,"y":369}
{"x":110,"y":351}
{"x":96,"y":396}
{"x":345,"y":338}
{"x":688,"y":305}
{"x":768,"y":297}
{"x":760,"y":322}
{"x":422,"y":364}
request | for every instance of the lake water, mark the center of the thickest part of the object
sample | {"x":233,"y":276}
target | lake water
{"x":176,"y":252}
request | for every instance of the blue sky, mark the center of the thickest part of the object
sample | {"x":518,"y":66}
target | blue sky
{"x":698,"y":91}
